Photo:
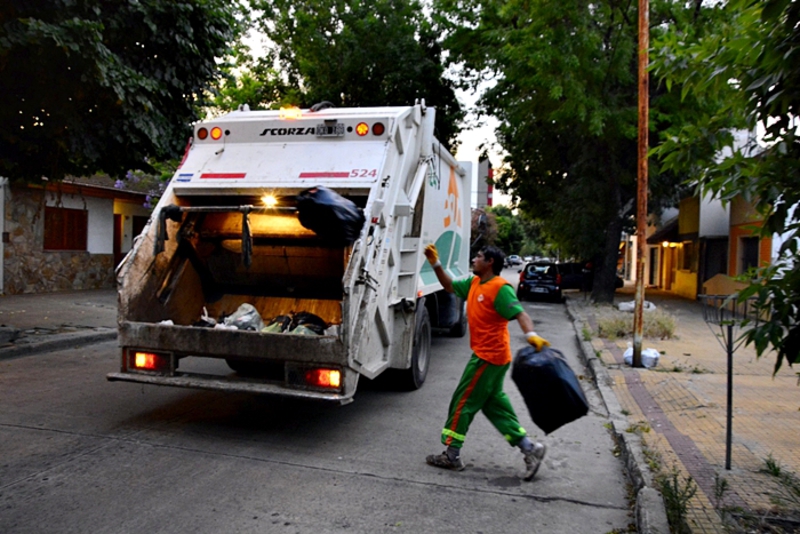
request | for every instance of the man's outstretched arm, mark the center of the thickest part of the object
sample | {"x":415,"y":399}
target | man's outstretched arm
{"x":433,"y":258}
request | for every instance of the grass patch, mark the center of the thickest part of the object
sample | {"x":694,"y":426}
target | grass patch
{"x":677,"y":493}
{"x":586,"y":332}
{"x":613,"y":324}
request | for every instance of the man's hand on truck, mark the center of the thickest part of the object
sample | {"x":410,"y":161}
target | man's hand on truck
{"x":433,"y":255}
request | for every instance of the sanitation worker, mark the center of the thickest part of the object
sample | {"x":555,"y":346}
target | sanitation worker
{"x":491,"y":303}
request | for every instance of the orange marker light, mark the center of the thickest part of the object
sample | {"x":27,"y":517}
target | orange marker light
{"x":362,"y":129}
{"x":290,"y":112}
{"x":216,"y":133}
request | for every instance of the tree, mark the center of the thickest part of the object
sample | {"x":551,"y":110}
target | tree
{"x":359,"y":53}
{"x":101,"y":86}
{"x":747,"y":73}
{"x":562,"y":82}
{"x":510,"y":232}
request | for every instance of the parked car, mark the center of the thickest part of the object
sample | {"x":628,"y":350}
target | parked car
{"x":579,"y":275}
{"x":513,"y":260}
{"x":540,"y":279}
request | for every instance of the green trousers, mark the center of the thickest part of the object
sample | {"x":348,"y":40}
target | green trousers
{"x":481,"y":389}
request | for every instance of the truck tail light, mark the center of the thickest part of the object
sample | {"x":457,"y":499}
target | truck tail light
{"x":149,"y":361}
{"x":324,"y":378}
{"x":362,"y":129}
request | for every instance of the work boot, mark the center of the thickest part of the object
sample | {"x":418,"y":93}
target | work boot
{"x":533,"y":460}
{"x":444,"y":461}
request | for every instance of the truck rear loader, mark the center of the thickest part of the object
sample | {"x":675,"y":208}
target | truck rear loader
{"x":225,"y":240}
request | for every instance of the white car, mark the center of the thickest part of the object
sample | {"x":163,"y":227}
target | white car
{"x":513,"y":260}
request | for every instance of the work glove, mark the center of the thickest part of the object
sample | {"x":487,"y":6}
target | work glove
{"x":432,"y":254}
{"x":537,"y":341}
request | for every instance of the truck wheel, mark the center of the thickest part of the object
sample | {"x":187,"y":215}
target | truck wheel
{"x":460,"y":328}
{"x":420,"y":352}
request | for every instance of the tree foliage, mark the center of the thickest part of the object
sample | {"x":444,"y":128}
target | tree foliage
{"x":101,"y":86}
{"x":746,"y":73}
{"x":562,"y":81}
{"x":358,"y":53}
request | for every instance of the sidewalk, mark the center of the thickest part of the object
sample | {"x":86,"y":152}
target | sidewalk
{"x":41,"y":322}
{"x":679,"y":409}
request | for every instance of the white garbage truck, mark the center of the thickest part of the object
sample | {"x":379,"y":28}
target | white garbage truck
{"x":211,"y":292}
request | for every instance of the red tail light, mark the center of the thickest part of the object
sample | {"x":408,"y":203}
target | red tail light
{"x":521,"y":276}
{"x":149,"y":361}
{"x":324,"y":378}
{"x":558,"y":279}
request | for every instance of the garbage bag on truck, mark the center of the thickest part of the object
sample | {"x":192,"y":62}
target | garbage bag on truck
{"x":246,"y":317}
{"x":549,"y":386}
{"x":332,"y":217}
{"x":308,"y":321}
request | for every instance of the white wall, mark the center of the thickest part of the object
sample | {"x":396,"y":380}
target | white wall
{"x":714,"y":217}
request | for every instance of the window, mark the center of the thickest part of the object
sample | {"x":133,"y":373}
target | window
{"x":748,"y":253}
{"x":65,"y":229}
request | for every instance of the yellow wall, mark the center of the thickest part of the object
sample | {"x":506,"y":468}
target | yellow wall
{"x":689,"y":216}
{"x":685,"y":284}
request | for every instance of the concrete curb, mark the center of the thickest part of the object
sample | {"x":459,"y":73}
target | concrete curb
{"x":58,"y":342}
{"x":651,"y":514}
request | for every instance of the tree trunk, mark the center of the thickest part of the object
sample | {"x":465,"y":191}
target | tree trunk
{"x":606,"y":268}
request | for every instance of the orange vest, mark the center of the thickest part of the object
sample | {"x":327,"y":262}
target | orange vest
{"x":488,"y":330}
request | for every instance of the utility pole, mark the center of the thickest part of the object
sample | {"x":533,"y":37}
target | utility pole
{"x":641,"y":189}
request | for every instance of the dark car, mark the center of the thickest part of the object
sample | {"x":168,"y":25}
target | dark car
{"x":539,"y":279}
{"x":574,"y":275}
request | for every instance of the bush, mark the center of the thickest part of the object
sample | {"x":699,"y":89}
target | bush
{"x":613,"y":324}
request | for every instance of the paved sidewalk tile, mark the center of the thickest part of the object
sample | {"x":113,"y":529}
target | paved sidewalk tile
{"x":680,"y":409}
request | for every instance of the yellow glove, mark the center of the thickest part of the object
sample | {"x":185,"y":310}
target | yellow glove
{"x":432,"y":254}
{"x":537,"y":341}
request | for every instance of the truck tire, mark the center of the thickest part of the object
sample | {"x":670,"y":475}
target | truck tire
{"x":414,"y":376}
{"x":460,"y":328}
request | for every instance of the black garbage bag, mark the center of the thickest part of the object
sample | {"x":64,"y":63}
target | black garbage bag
{"x":550,"y":388}
{"x":278,"y":324}
{"x":329,"y":215}
{"x":309,"y":321}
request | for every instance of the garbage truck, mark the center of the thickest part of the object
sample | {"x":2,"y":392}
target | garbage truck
{"x":223,"y":285}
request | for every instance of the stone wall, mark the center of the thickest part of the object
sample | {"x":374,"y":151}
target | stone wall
{"x":29,"y":269}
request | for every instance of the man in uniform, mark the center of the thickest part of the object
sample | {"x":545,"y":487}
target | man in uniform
{"x":491,"y":303}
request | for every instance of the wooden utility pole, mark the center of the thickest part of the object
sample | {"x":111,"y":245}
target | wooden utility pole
{"x":641,"y":189}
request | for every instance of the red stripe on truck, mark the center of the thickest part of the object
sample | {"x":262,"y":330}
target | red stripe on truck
{"x":324,"y":174}
{"x":222,"y":175}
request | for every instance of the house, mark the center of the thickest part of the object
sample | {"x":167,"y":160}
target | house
{"x":67,"y":235}
{"x":707,"y":245}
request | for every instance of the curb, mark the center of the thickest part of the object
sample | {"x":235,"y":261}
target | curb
{"x":58,"y":342}
{"x":651,"y":513}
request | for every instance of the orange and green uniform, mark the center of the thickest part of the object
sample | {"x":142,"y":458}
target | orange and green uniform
{"x":490,"y":305}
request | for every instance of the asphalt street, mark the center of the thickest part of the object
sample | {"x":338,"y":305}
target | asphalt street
{"x":81,"y":454}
